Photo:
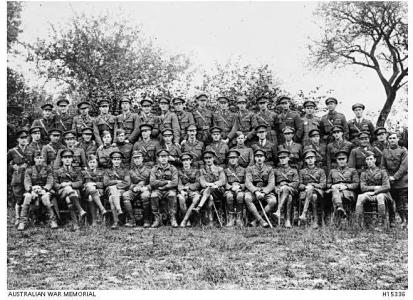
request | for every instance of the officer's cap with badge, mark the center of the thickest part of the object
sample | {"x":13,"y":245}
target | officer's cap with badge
{"x":162,"y":152}
{"x":215,"y":129}
{"x":242,"y":99}
{"x":22,"y":134}
{"x":55,"y":131}
{"x":62,"y":100}
{"x":261,"y":128}
{"x":358,"y":105}
{"x":331,"y":99}
{"x":260,"y":152}
{"x":337,"y":128}
{"x":35,"y":129}
{"x":309,"y":103}
{"x":177,"y":100}
{"x":147,"y":100}
{"x":83,"y":104}
{"x":364,"y":134}
{"x":87,"y":130}
{"x":262,"y":99}
{"x":341,"y":153}
{"x":137,"y":153}
{"x":69,"y":134}
{"x":201,"y":96}
{"x":283,"y":153}
{"x":283,"y":99}
{"x":116,"y":154}
{"x":103,"y":102}
{"x":380,"y":130}
{"x":369,"y":153}
{"x":223,"y":99}
{"x":164,"y":100}
{"x":314,"y":132}
{"x":66,"y":153}
{"x":191,"y":127}
{"x":288,"y":129}
{"x":47,"y":106}
{"x":126,"y":99}
{"x":144,"y":127}
{"x":186,"y":156}
{"x":309,"y":153}
{"x":209,"y":153}
{"x":234,"y":153}
{"x":167,"y":132}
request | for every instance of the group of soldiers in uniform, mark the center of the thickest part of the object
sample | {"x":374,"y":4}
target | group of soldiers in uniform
{"x":257,"y":167}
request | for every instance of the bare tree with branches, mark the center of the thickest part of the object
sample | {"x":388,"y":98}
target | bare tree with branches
{"x":368,"y":34}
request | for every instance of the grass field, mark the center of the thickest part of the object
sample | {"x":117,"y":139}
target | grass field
{"x":201,"y":258}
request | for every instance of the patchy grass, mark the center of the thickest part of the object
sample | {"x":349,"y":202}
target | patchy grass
{"x":200,"y":258}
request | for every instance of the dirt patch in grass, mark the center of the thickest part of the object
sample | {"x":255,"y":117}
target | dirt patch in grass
{"x":200,"y":258}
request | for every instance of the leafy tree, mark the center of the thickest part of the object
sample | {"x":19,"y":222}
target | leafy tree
{"x":13,"y":22}
{"x":368,"y":34}
{"x":98,"y":57}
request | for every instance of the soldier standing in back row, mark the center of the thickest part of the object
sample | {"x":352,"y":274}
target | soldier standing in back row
{"x":83,"y":119}
{"x":168,"y":119}
{"x":203,"y":118}
{"x":47,"y":122}
{"x":310,"y":121}
{"x":63,"y":119}
{"x":184,"y":118}
{"x":268,"y":118}
{"x":128,"y":121}
{"x":104,"y":122}
{"x":359,"y":124}
{"x":226,"y":120}
{"x":331,"y":119}
{"x":245,"y":120}
{"x":288,"y":118}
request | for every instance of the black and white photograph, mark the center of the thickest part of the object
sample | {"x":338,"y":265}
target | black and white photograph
{"x":210,"y":145}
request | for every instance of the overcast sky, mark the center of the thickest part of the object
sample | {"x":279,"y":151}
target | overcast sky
{"x":273,"y":33}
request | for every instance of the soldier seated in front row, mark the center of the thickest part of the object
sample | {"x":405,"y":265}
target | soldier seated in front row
{"x":286,"y":180}
{"x":93,"y":187}
{"x":163,"y":181}
{"x":38,"y":182}
{"x":234,"y":188}
{"x":312,"y":185}
{"x":188,"y":188}
{"x":116,"y":181}
{"x":139,"y":191}
{"x":375,"y":187}
{"x":342,"y":182}
{"x":67,"y":182}
{"x":212,"y":180}
{"x":259,"y":181}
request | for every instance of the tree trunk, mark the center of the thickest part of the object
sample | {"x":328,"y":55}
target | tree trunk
{"x":385,"y":111}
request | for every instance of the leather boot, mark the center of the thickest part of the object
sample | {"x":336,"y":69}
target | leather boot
{"x":174,"y":224}
{"x":146,"y":216}
{"x":74,"y":220}
{"x":99,"y":204}
{"x":251,"y":207}
{"x":129,"y":212}
{"x":24,"y":214}
{"x":17,"y":209}
{"x":231,"y":219}
{"x":263,"y":223}
{"x":315,"y":214}
{"x":52,"y":218}
{"x":156,"y":220}
{"x":210,"y":217}
{"x":76,"y":203}
{"x":238,"y":220}
{"x":92,"y":210}
{"x":287,"y":223}
{"x":115,"y":224}
{"x":303,"y":216}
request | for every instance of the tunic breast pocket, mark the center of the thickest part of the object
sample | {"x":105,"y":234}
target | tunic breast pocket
{"x":337,"y":121}
{"x":128,"y":124}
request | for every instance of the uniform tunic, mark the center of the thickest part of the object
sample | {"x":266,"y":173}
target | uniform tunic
{"x":195,"y":148}
{"x":64,"y":122}
{"x":355,"y":127}
{"x":347,"y":176}
{"x":79,"y":158}
{"x":104,"y":160}
{"x":204,"y":120}
{"x":288,"y":175}
{"x":88,"y":147}
{"x":80,"y":122}
{"x":394,"y":161}
{"x":332,"y":150}
{"x":189,"y":178}
{"x":291,"y":119}
{"x":49,"y":152}
{"x":148,"y":149}
{"x":45,"y":125}
{"x":22,"y":158}
{"x":126,"y":149}
{"x":257,"y":178}
{"x":95,"y":176}
{"x":314,"y":176}
{"x":64,"y":174}
{"x":309,"y":123}
{"x":246,"y":158}
{"x":38,"y":175}
{"x":226,"y":120}
{"x":270,"y":150}
{"x":221,"y":150}
{"x":170,"y":120}
{"x":320,"y":153}
{"x":104,"y":123}
{"x":295,"y":153}
{"x":33,"y":147}
{"x":184,"y":119}
{"x":245,"y":123}
{"x":150,"y":119}
{"x":269,"y":119}
{"x":357,"y":158}
{"x":130,"y":123}
{"x":328,"y":121}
